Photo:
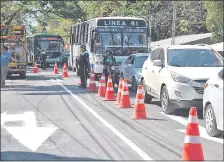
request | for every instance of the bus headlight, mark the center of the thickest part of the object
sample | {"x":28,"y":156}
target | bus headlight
{"x":112,"y":67}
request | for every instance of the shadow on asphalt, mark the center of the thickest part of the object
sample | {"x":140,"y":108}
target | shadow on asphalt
{"x":34,"y":156}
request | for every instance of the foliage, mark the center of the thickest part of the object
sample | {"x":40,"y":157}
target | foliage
{"x":214,"y":19}
{"x":191,"y":15}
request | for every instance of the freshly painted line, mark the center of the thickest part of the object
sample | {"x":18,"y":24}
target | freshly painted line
{"x":133,"y":146}
{"x":202,"y":130}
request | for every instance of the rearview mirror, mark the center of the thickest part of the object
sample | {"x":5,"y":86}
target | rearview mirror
{"x":157,"y":63}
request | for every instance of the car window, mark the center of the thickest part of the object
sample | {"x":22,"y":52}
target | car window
{"x":221,"y":76}
{"x":162,"y":56}
{"x":139,"y":61}
{"x":132,"y":60}
{"x":128,"y":61}
{"x":155,"y":54}
{"x":193,"y":58}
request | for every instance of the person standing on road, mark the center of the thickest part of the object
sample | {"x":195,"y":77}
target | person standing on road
{"x":84,"y":66}
{"x":44,"y":57}
{"x":6,"y":57}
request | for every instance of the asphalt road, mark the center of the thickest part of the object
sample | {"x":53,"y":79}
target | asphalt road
{"x":45,"y":117}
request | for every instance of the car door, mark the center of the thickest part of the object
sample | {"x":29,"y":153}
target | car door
{"x":157,"y":72}
{"x":218,"y":98}
{"x":150,"y":81}
{"x":130,"y":69}
{"x":125,"y":66}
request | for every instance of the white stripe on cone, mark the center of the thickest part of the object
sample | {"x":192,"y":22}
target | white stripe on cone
{"x":192,"y":139}
{"x":192,"y":119}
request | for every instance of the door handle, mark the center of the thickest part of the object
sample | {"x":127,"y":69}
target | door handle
{"x":145,"y":67}
{"x":216,"y":85}
{"x":152,"y":71}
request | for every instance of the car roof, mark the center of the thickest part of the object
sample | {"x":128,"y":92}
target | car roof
{"x":197,"y":46}
{"x":140,"y":54}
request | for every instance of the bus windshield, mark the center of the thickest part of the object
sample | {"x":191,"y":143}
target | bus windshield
{"x":135,"y":39}
{"x":51,"y":46}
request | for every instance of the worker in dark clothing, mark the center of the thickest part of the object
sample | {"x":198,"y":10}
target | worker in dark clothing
{"x":84,"y":66}
{"x":43,"y":59}
{"x":108,"y":60}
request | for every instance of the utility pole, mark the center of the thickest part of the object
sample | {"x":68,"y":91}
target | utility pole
{"x":173,"y":24}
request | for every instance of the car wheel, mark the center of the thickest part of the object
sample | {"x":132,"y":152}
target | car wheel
{"x":134,"y":86}
{"x":210,"y":122}
{"x":167,"y":106}
{"x":147,"y":97}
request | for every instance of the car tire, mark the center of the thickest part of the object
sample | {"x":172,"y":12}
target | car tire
{"x":211,"y":126}
{"x":134,"y":86}
{"x":166,"y":104}
{"x":147,"y":97}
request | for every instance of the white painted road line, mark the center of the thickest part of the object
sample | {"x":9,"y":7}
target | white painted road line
{"x":202,"y":130}
{"x":133,"y":146}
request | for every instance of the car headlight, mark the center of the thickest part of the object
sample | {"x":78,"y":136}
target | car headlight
{"x":112,"y":67}
{"x":179,"y":78}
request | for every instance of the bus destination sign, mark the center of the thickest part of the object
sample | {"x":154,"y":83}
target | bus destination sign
{"x":108,"y":30}
{"x":120,"y":22}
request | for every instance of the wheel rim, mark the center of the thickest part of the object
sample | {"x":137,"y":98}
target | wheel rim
{"x":209,"y":119}
{"x":164,"y":100}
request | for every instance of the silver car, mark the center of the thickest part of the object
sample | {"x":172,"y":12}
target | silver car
{"x":131,"y":69}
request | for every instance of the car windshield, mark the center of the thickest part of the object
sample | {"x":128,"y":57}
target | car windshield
{"x":193,"y":58}
{"x":120,"y":59}
{"x":139,"y":61}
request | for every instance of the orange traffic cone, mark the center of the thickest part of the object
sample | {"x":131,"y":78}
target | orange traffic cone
{"x":35,"y":68}
{"x":55,"y":68}
{"x":92,"y":84}
{"x":102,"y":86}
{"x":139,"y":109}
{"x":109,"y":96}
{"x":121,"y":82}
{"x":192,"y":149}
{"x":125,"y":98}
{"x":64,"y":72}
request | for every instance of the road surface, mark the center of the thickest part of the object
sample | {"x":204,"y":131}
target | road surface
{"x":45,"y":117}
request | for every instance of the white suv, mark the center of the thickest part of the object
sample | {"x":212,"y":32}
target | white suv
{"x":177,"y":74}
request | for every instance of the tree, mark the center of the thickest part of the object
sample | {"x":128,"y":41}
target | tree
{"x":22,"y":12}
{"x":214,"y":19}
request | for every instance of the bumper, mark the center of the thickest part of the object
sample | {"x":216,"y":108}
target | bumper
{"x":16,"y":71}
{"x":186,"y":95}
{"x":186,"y":104}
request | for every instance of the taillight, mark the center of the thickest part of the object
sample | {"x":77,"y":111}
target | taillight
{"x":206,"y":85}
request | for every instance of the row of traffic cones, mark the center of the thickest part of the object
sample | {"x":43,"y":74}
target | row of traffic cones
{"x":123,"y":98}
{"x":64,"y":72}
{"x":192,"y":149}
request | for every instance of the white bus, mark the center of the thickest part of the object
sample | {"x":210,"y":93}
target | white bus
{"x":121,"y":35}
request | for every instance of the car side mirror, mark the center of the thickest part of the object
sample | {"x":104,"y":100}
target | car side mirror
{"x":130,"y":65}
{"x":157,"y":63}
